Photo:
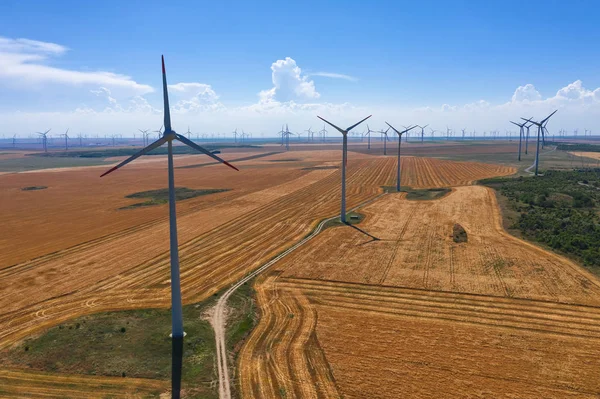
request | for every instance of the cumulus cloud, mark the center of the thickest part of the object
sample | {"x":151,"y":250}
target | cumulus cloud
{"x":288,"y":83}
{"x":194,"y":97}
{"x":334,"y":76}
{"x":22,"y":61}
{"x":526,"y":93}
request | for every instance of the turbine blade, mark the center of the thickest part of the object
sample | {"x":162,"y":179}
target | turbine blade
{"x":331,"y":124}
{"x":356,"y":124}
{"x":527,"y":120}
{"x":167,"y":111}
{"x":195,"y":146}
{"x":409,"y":129}
{"x":548,"y":117}
{"x":393,"y":128}
{"x":146,"y":150}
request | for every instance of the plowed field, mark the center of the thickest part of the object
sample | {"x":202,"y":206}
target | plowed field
{"x":411,"y":313}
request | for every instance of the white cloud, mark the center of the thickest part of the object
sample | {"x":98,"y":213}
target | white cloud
{"x":288,"y":83}
{"x":194,"y":97}
{"x":22,"y":63}
{"x":526,"y":93}
{"x":335,"y":76}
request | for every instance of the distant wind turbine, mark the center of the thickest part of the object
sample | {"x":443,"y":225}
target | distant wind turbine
{"x":399,"y":147}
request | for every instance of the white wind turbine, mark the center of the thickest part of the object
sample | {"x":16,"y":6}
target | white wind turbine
{"x":168,"y":137}
{"x":344,"y":133}
{"x":399,"y":147}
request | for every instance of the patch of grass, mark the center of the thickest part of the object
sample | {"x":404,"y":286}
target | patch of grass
{"x":34,"y":188}
{"x":242,"y":317}
{"x":286,"y":160}
{"x":352,"y":218}
{"x":419,"y":195}
{"x":133,"y":343}
{"x":161,"y":196}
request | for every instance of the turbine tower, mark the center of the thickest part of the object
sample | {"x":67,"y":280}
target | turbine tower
{"x":399,"y":147}
{"x":344,"y":133}
{"x":168,"y":137}
{"x":369,"y":137}
{"x":527,"y":136}
{"x":521,"y":132}
{"x":385,"y":139}
{"x":541,"y":125}
{"x":422,"y":132}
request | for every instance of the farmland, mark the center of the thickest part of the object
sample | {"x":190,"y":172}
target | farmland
{"x":406,"y":296}
{"x":76,"y":224}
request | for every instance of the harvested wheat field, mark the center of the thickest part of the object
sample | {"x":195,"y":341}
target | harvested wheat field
{"x":396,"y":308}
{"x":593,"y":155}
{"x":69,"y":250}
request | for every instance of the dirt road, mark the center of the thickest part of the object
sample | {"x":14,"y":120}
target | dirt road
{"x":219,"y":313}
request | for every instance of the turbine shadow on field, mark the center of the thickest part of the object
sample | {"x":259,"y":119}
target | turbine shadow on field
{"x":372,"y":237}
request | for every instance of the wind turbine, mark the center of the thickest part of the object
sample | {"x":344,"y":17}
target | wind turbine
{"x":324,"y":133}
{"x":168,"y":137}
{"x":422,"y":132}
{"x":309,"y":132}
{"x":235,"y":134}
{"x":189,"y":133}
{"x":159,"y":132}
{"x":399,"y":147}
{"x":448,"y":130}
{"x":287,"y":134}
{"x":521,"y":132}
{"x":14,"y":140}
{"x":44,"y":136}
{"x":344,"y":133}
{"x":407,"y":133}
{"x":66,"y":136}
{"x":144,"y":135}
{"x":463,"y":132}
{"x":432,"y":132}
{"x":541,"y":125}
{"x":369,"y":137}
{"x":385,"y":139}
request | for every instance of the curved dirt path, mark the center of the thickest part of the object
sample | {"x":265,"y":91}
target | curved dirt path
{"x":219,"y":313}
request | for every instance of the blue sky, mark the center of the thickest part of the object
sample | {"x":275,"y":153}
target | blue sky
{"x":397,"y":57}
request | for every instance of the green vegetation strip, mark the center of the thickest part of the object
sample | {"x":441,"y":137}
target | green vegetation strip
{"x":34,"y":188}
{"x":161,"y":196}
{"x":419,"y":195}
{"x":576,"y":147}
{"x":560,"y":209}
{"x":128,"y":151}
{"x":136,"y":343}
